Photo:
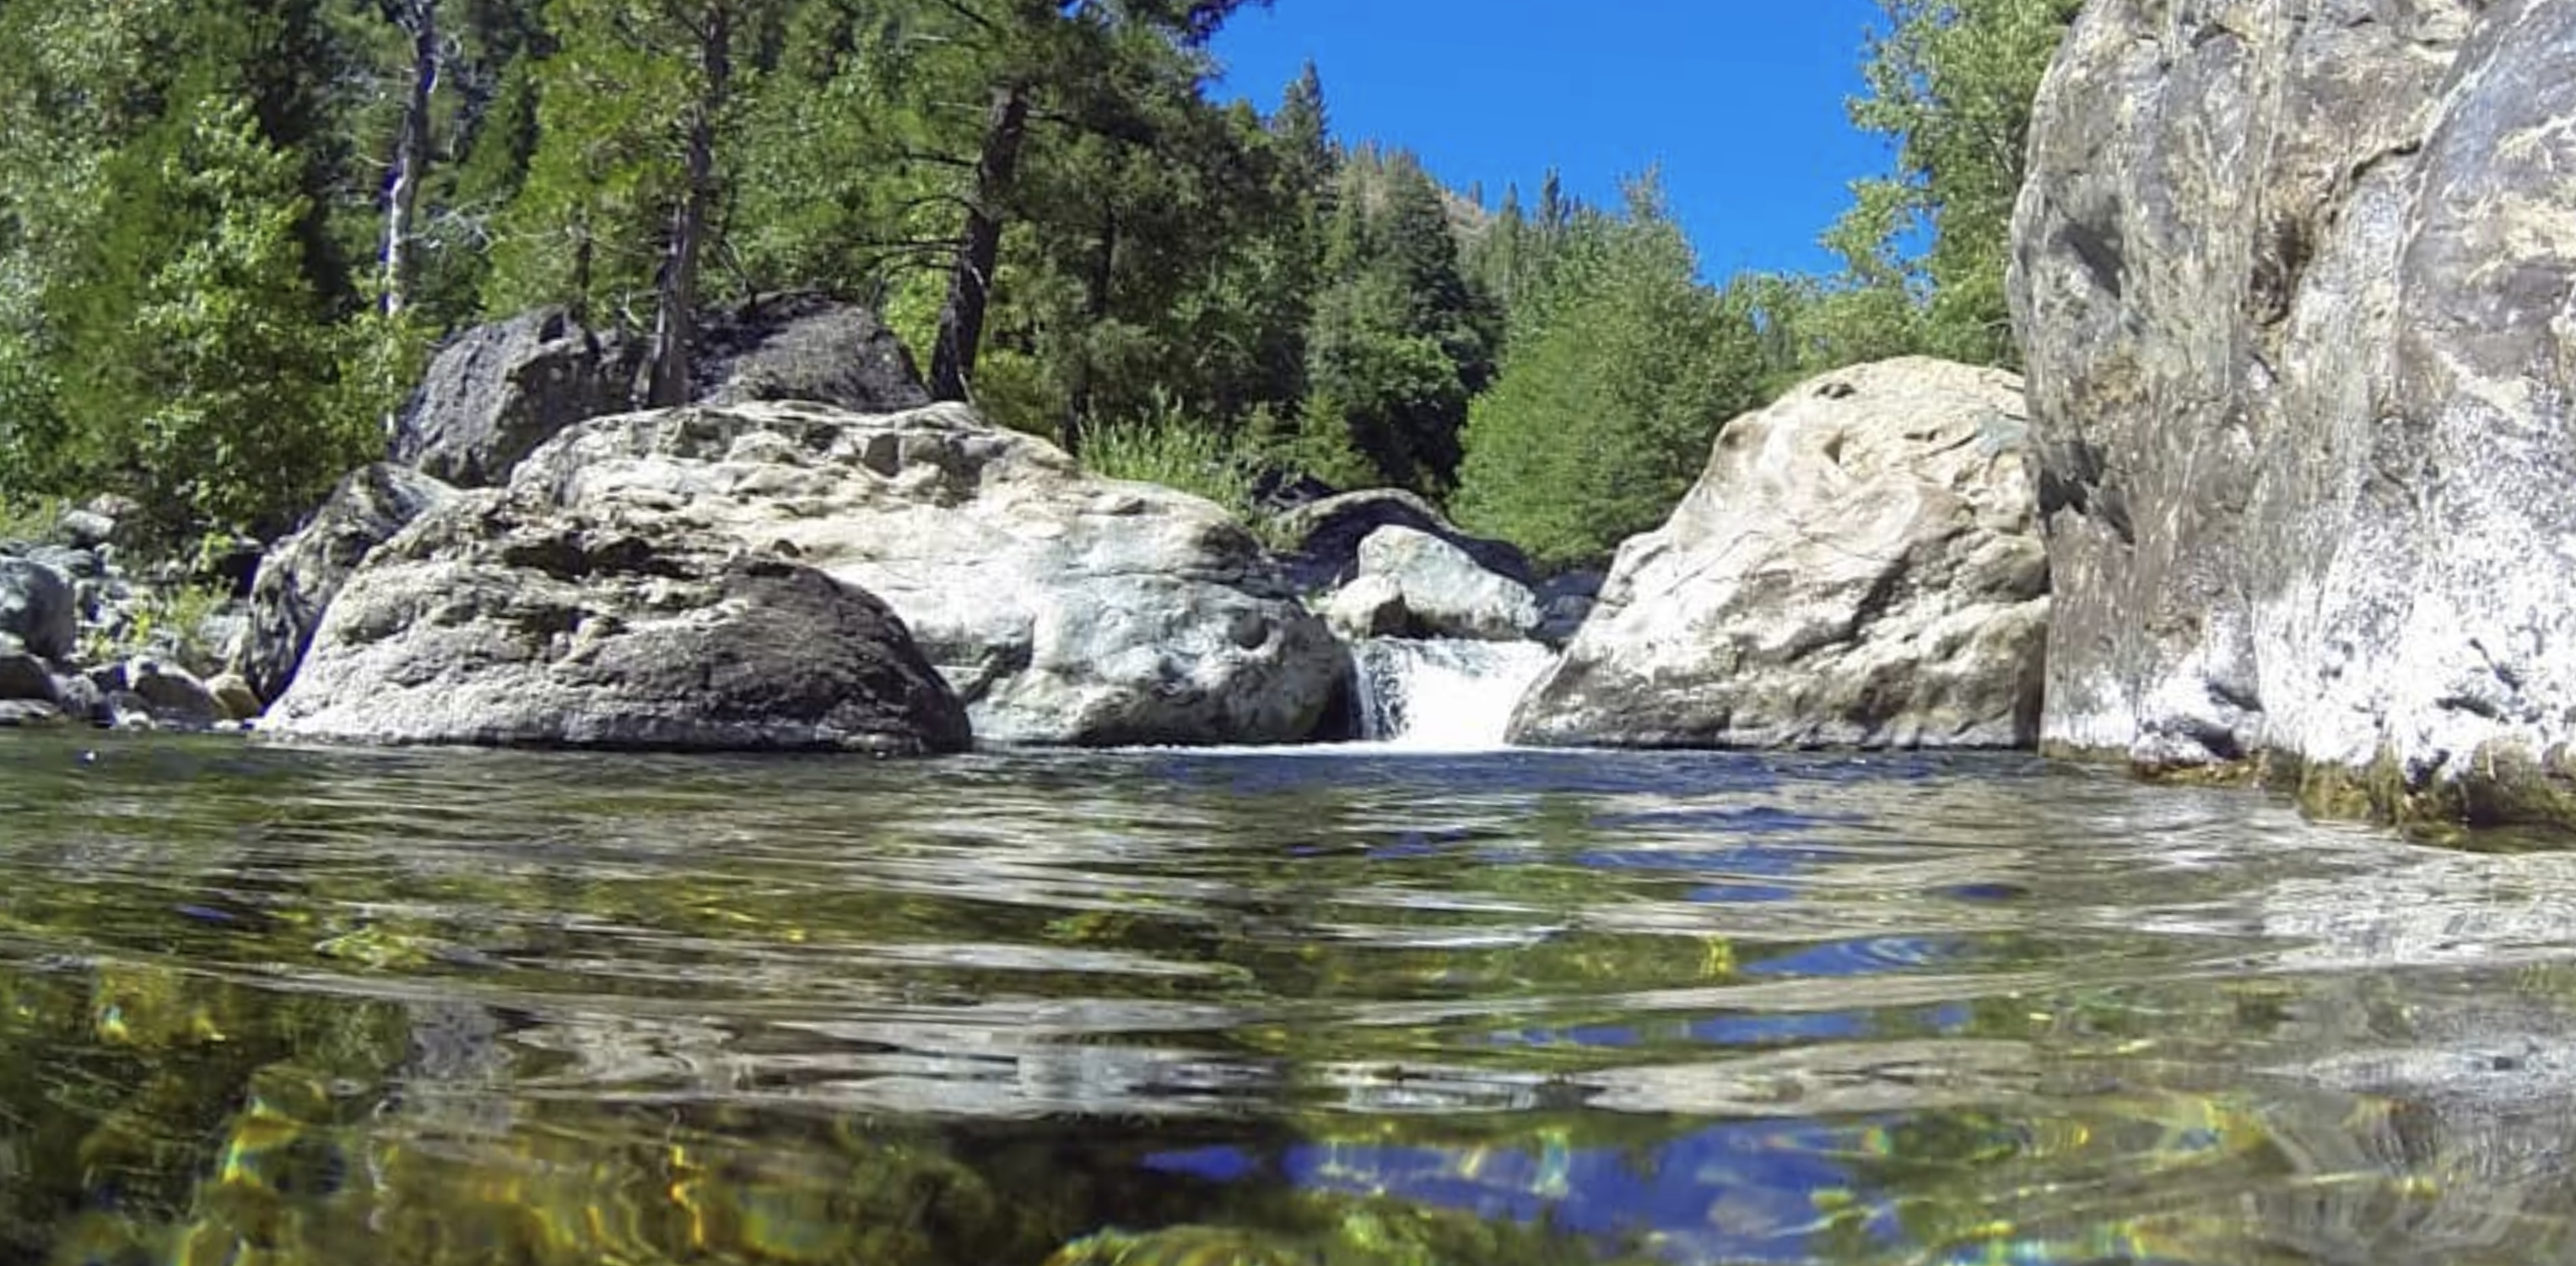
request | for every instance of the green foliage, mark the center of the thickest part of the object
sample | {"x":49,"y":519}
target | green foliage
{"x":1951,"y":82}
{"x":1400,"y":341}
{"x":1166,"y":447}
{"x":209,"y":377}
{"x":1611,"y":394}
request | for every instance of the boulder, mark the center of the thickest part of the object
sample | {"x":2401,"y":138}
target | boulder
{"x":500,"y":390}
{"x":2294,"y":283}
{"x":1328,"y":534}
{"x":297,"y":579}
{"x":163,"y":696}
{"x":38,"y":607}
{"x":22,"y":675}
{"x":234,"y":698}
{"x":518,"y":623}
{"x":803,"y":347}
{"x":1445,"y":592}
{"x":1065,"y":608}
{"x":1371,"y":606}
{"x":1859,"y":565}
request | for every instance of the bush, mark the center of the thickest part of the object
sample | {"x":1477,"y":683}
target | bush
{"x":1165,"y":448}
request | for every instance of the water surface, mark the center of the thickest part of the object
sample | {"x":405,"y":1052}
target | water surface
{"x":1354,"y":1008}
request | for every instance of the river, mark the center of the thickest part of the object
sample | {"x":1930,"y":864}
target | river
{"x":1328,"y":1007}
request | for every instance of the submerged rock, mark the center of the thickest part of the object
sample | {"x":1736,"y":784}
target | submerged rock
{"x":511,"y":623}
{"x":1064,"y":608}
{"x":299,"y":576}
{"x":2294,"y":288}
{"x":1860,"y":565}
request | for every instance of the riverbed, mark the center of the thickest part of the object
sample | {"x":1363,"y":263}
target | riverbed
{"x":1330,"y":1006}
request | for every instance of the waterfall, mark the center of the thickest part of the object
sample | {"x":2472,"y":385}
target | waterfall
{"x":1443,"y":696}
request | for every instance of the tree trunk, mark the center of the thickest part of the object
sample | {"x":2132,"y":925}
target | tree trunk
{"x":419,"y":19}
{"x":675,"y":316}
{"x":1095,"y":311}
{"x":979,"y":248}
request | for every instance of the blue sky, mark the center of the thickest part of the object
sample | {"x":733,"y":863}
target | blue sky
{"x":1740,"y":102}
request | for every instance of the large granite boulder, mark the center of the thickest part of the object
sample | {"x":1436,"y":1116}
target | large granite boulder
{"x":1859,"y":565}
{"x":1065,"y":608}
{"x":1326,"y":535}
{"x":299,"y":576}
{"x":2294,"y":279}
{"x":512,"y":622}
{"x":804,"y":347}
{"x":499,"y":390}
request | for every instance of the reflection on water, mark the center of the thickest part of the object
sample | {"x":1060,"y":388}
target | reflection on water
{"x":264,"y":1005}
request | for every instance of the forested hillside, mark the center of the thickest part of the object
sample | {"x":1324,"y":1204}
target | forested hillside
{"x":231,"y":230}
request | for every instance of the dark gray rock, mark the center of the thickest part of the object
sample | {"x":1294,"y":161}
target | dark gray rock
{"x":301,"y":573}
{"x":169,"y":695}
{"x":521,"y":624}
{"x":803,"y":347}
{"x":38,"y":607}
{"x":1857,"y":567}
{"x":1328,"y":534}
{"x":2293,"y":279}
{"x":500,"y":390}
{"x":22,"y":675}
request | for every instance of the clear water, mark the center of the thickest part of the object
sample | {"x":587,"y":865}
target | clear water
{"x":266,"y":1005}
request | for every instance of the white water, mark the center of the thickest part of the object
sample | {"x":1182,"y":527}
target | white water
{"x":1443,"y":696}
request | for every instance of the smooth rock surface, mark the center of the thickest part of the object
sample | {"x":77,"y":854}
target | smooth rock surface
{"x":1859,"y":565}
{"x":1064,"y":608}
{"x":2297,"y":283}
{"x":524,"y":624}
{"x":1445,"y":592}
{"x":300,"y":575}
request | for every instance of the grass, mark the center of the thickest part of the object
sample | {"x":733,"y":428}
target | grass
{"x":1166,"y":448}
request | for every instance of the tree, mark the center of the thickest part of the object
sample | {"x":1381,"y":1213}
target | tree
{"x":1401,"y":342}
{"x":1952,"y":83}
{"x":1040,"y":59}
{"x":1618,"y":378}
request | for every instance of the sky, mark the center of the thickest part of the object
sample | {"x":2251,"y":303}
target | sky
{"x":1738,"y":102}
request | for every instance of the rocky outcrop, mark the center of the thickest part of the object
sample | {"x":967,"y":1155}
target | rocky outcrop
{"x":1859,"y":565}
{"x":2294,"y":285}
{"x":1065,"y":608}
{"x":500,"y":390}
{"x":515,"y":623}
{"x":1441,"y":590}
{"x":804,"y":347}
{"x":1327,"y":535}
{"x":298,"y":578}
